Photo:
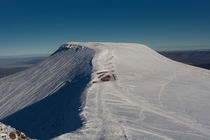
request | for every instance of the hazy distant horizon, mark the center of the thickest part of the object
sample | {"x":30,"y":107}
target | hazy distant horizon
{"x":42,"y":26}
{"x":24,"y":55}
{"x":49,"y":53}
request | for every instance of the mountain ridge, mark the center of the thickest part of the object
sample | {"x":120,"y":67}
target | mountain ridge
{"x":129,"y":92}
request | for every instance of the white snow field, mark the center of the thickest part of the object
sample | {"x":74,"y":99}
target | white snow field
{"x":108,"y":91}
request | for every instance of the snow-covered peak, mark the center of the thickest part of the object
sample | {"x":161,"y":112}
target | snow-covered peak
{"x":72,"y":46}
{"x":97,"y":90}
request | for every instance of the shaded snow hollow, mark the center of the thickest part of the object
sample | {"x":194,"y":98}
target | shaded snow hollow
{"x":104,"y":91}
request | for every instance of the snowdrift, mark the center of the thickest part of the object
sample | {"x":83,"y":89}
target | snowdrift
{"x":108,"y":91}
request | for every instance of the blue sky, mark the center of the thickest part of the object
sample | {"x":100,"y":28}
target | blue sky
{"x":41,"y":26}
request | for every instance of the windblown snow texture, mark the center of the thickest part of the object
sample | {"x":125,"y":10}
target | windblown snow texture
{"x":44,"y":101}
{"x":133,"y":93}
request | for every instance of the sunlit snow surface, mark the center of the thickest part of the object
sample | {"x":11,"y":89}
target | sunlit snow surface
{"x":152,"y":97}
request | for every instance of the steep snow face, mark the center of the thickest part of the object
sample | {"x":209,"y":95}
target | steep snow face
{"x":133,"y":93}
{"x":44,"y":101}
{"x":27,"y":87}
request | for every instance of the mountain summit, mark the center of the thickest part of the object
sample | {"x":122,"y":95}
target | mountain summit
{"x":106,"y":91}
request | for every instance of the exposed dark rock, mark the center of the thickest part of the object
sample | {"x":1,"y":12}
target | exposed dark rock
{"x":12,"y":135}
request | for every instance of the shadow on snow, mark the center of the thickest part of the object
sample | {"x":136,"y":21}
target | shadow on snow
{"x":55,"y":115}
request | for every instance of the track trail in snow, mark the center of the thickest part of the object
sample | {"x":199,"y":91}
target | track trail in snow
{"x":144,"y":105}
{"x":163,"y":86}
{"x":141,"y":105}
{"x":105,"y":59}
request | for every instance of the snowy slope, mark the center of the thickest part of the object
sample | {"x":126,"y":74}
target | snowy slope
{"x":41,"y":100}
{"x":133,"y":93}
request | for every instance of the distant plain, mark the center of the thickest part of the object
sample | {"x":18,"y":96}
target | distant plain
{"x":13,"y":65}
{"x":199,"y":58}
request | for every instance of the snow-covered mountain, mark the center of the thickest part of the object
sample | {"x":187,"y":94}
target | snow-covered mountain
{"x":107,"y":91}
